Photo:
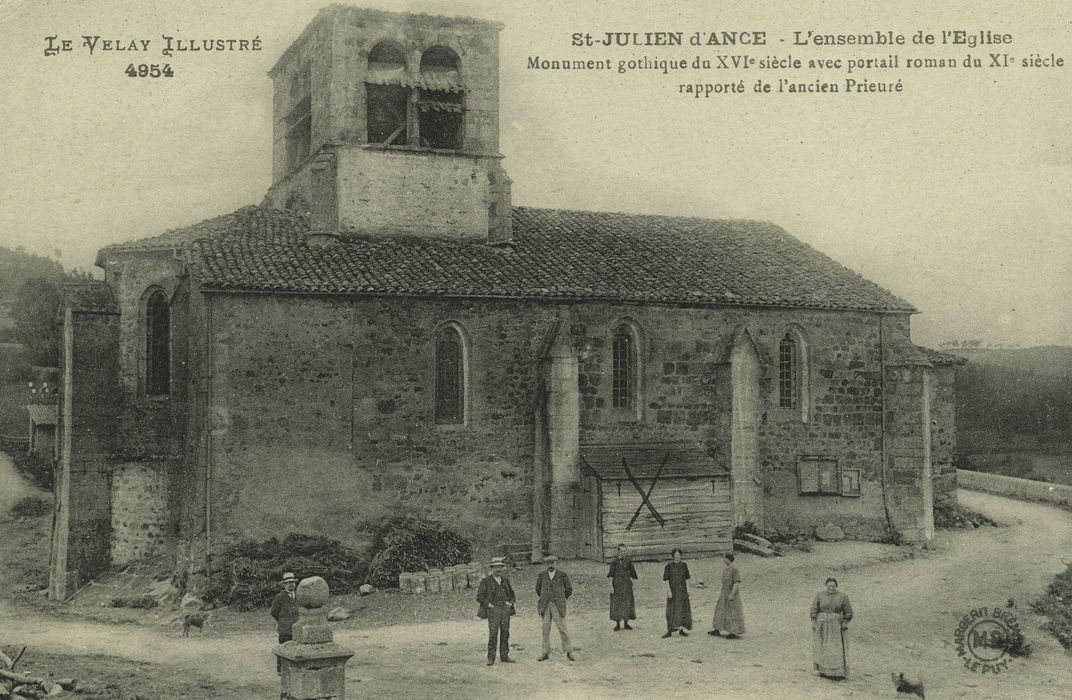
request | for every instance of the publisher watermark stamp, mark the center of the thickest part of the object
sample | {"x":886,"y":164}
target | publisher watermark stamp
{"x":986,"y":639}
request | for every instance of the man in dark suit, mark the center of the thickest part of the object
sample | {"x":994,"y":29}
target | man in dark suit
{"x":285,"y":611}
{"x":496,"y":598}
{"x":553,"y":587}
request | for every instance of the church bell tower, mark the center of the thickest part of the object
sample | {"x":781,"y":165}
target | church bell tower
{"x":387,"y":124}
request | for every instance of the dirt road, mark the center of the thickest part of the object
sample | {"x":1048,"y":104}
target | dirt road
{"x":907,"y":612}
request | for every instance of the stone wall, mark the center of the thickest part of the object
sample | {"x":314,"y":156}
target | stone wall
{"x":139,"y":511}
{"x":1024,"y":489}
{"x":324,"y":407}
{"x":943,"y":434}
{"x":149,"y":427}
{"x":415,"y":194}
{"x":686,"y":385}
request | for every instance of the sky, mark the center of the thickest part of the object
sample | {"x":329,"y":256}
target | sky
{"x":955,"y":193}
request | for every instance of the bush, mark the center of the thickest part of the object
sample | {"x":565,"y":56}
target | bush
{"x":143,"y":602}
{"x":1056,"y":605}
{"x":35,"y":469}
{"x":31,"y":507}
{"x":407,"y":543}
{"x":891,"y":535}
{"x":1013,"y":644}
{"x":952,"y":515}
{"x":249,"y":572}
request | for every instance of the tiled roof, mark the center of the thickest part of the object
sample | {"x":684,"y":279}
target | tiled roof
{"x":646,"y":460}
{"x":42,"y":414}
{"x":89,"y":297}
{"x":178,"y":237}
{"x":554,"y":254}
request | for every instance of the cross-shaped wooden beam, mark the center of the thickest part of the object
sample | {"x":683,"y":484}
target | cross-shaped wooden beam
{"x":645,"y":497}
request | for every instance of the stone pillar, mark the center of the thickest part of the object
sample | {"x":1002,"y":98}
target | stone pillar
{"x":312,"y":666}
{"x":908,"y":450}
{"x":89,"y":400}
{"x":563,"y":428}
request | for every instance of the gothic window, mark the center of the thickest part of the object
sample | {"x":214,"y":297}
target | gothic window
{"x":299,"y":120}
{"x":793,"y":372}
{"x":449,"y":377}
{"x":440,"y":100}
{"x":387,"y":95}
{"x":157,"y":345}
{"x":624,"y":368}
{"x":788,"y":372}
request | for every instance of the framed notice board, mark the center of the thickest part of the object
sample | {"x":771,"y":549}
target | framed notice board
{"x":820,"y":476}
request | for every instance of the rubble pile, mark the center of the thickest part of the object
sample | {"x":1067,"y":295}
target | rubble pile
{"x":23,"y":686}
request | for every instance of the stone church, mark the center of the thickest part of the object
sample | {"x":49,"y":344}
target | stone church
{"x":387,"y":332}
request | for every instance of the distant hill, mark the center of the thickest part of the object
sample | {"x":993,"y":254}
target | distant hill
{"x":1015,"y":399}
{"x":1044,"y":359}
{"x":17,"y":266}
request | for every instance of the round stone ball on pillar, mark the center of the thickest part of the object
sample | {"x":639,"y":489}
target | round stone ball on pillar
{"x":312,"y":593}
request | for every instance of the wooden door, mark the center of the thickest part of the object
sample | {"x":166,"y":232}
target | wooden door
{"x":588,"y":519}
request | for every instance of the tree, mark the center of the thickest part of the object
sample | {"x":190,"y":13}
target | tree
{"x":35,"y":305}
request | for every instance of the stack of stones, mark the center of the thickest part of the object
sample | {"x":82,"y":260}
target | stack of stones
{"x":447,"y":579}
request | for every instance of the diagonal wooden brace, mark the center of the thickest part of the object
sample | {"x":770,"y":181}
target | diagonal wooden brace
{"x":644,"y":496}
{"x":647,"y":498}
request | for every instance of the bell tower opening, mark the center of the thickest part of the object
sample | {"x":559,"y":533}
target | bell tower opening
{"x":387,"y":123}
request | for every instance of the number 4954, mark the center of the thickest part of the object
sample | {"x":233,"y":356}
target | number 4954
{"x":154,"y":70}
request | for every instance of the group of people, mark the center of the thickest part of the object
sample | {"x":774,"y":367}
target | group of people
{"x":729,"y":612}
{"x":496,"y":598}
{"x":830,"y":611}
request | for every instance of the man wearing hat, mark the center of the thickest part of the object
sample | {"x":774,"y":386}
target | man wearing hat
{"x":285,"y":610}
{"x":496,"y":598}
{"x":554,"y":588}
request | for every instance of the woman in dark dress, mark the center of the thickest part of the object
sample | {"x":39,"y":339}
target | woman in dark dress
{"x":678,"y":608}
{"x":621,"y":575}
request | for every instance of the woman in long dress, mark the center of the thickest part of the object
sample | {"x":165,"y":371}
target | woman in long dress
{"x":678,"y":608}
{"x":621,"y":575}
{"x":729,"y":613}
{"x":830,"y":615}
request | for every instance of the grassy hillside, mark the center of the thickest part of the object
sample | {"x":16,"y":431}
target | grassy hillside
{"x":1014,"y":412}
{"x":14,"y":373}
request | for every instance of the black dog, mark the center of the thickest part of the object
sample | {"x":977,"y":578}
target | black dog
{"x":906,"y":686}
{"x":194,"y":619}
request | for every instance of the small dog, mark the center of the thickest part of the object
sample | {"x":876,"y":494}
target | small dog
{"x":194,"y":619}
{"x":907,"y":686}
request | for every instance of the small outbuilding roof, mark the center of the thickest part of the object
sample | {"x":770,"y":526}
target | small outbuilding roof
{"x":644,"y":459}
{"x":42,"y":414}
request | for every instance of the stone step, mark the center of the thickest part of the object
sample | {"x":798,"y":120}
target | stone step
{"x":753,"y":548}
{"x":754,"y":539}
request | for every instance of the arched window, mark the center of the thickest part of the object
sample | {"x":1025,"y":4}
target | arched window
{"x":387,"y":96}
{"x":793,"y":373}
{"x":157,"y":345}
{"x":788,"y":372}
{"x":441,"y":99}
{"x":450,"y":376}
{"x":624,"y":368}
